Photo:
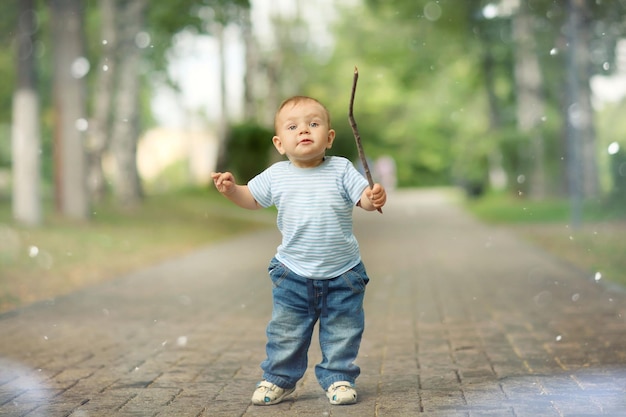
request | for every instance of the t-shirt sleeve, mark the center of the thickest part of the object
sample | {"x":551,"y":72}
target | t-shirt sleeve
{"x":354,"y":182}
{"x":261,"y":188}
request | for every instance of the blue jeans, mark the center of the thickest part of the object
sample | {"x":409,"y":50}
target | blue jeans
{"x":298,"y":304}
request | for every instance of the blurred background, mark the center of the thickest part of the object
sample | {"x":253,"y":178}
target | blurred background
{"x":114,"y":112}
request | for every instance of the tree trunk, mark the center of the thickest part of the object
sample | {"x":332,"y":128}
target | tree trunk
{"x":223,"y":134}
{"x":572,"y":115}
{"x":100,"y":125}
{"x":251,"y":62}
{"x":588,"y":152}
{"x":497,"y":175}
{"x":530,"y":105}
{"x":70,"y":108}
{"x":581,"y":156}
{"x":26,"y":137}
{"x":127,"y":185}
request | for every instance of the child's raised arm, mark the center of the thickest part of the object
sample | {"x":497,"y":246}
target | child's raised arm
{"x":238,"y":194}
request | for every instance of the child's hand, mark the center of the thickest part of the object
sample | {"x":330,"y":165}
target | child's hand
{"x":224,"y":182}
{"x":377,"y":196}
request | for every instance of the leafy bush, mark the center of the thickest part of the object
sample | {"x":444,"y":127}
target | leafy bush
{"x":249,"y":147}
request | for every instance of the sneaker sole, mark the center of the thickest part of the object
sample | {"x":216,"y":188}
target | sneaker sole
{"x":346,"y":401}
{"x":277,"y":400}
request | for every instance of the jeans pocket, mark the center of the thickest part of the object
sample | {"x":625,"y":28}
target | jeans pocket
{"x":356,"y":278}
{"x":277,"y":272}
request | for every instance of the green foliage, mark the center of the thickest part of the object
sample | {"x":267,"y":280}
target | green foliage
{"x":611,"y":126}
{"x":505,"y":208}
{"x":165,"y":19}
{"x":344,"y":144}
{"x":618,"y":175}
{"x":421,"y":95}
{"x":8,"y":28}
{"x":249,"y":147}
{"x":417,"y":92}
{"x":8,"y":22}
{"x":7,"y":68}
{"x":5,"y":145}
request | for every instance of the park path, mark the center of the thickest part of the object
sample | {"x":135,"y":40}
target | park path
{"x":462,"y":319}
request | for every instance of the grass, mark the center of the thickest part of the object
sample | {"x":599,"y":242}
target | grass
{"x":63,"y":256}
{"x":596,"y":246}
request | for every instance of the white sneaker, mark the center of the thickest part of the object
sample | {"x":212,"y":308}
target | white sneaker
{"x":341,"y":392}
{"x":267,"y":393}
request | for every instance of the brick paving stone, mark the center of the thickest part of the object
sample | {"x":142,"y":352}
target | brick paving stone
{"x":461,"y":320}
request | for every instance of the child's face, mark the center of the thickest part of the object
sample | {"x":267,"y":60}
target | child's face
{"x":303,"y":133}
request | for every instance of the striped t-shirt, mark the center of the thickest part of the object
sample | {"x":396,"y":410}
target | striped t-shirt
{"x":314,"y":214}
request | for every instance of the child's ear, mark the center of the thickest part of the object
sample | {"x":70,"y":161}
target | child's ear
{"x":278,"y":144}
{"x":331,"y":138}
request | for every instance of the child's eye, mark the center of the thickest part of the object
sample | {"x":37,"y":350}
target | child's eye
{"x":291,"y":127}
{"x":314,"y":124}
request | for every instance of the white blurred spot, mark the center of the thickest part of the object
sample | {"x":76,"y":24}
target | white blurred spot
{"x":80,"y":67}
{"x":559,"y":338}
{"x":598,"y":276}
{"x":181,"y":341}
{"x":19,"y":379}
{"x":613,"y":148}
{"x":142,"y":40}
{"x":81,"y":125}
{"x":543,"y":299}
{"x":432,"y":11}
{"x":577,"y":117}
{"x":33,"y":251}
{"x":490,"y":11}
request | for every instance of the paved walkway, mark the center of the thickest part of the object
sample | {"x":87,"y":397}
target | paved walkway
{"x":462,"y":320}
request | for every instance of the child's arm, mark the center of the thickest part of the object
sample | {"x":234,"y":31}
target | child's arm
{"x":238,"y":194}
{"x":373,"y":198}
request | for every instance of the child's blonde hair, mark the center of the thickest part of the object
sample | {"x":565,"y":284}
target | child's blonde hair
{"x":297,"y":100}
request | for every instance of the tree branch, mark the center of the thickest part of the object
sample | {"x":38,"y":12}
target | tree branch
{"x":355,"y":131}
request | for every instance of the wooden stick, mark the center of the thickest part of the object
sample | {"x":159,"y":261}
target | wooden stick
{"x":357,"y":137}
